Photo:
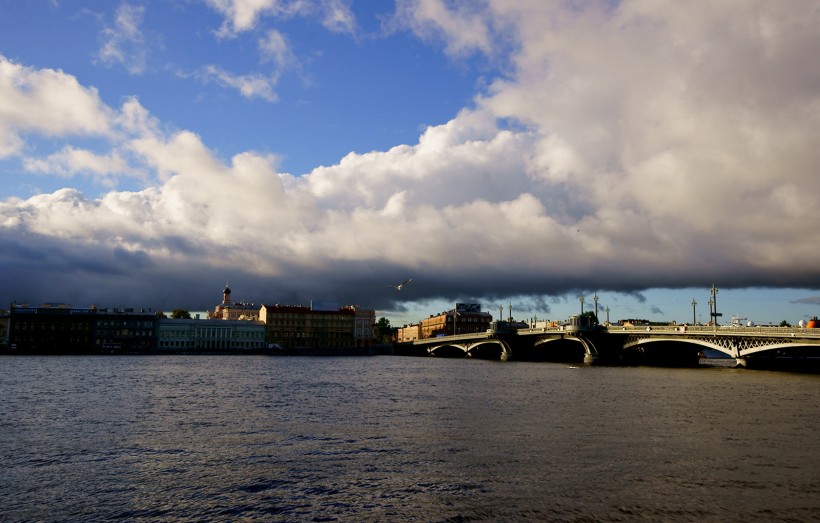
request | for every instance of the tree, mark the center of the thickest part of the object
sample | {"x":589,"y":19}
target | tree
{"x":383,"y":331}
{"x":178,"y":314}
{"x":161,"y":314}
{"x":784,"y":323}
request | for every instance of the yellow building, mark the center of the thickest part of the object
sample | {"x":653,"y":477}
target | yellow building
{"x":466,"y":318}
{"x":300,"y":327}
{"x":408,"y":333}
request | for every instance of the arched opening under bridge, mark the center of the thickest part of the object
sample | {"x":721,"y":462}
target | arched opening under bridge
{"x":448,"y":351}
{"x":665,"y":352}
{"x":559,"y":350}
{"x":489,"y":350}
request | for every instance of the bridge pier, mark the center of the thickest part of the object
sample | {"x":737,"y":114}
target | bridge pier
{"x":741,"y":362}
{"x":589,"y":359}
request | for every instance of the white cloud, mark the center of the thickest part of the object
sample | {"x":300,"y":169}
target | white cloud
{"x":241,"y":15}
{"x":274,"y":47}
{"x":452,"y":164}
{"x":244,"y":15}
{"x":337,"y":16}
{"x":466,"y":26}
{"x":697,"y":124}
{"x":124,"y":43}
{"x":248,"y":85}
{"x":70,"y":161}
{"x":47,"y":102}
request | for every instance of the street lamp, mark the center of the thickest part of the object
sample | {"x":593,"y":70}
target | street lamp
{"x":581,"y":299}
{"x":694,"y":315}
{"x":714,"y":303}
{"x":595,"y":299}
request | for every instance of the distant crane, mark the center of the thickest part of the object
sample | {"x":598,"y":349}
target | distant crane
{"x":401,"y":285}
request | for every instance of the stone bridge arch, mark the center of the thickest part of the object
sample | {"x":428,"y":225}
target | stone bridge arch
{"x":590,"y":350}
{"x":472,"y":349}
{"x":502,"y":347}
{"x":448,"y":350}
{"x":739,"y":347}
{"x":633,"y":341}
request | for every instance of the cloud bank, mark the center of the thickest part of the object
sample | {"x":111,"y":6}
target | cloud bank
{"x":628,"y":145}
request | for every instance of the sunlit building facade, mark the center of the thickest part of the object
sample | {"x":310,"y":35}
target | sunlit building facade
{"x":301,"y":327}
{"x":466,"y":318}
{"x":408,"y":333}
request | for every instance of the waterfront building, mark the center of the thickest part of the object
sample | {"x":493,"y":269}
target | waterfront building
{"x":285,"y":325}
{"x":408,"y":333}
{"x":61,"y":328}
{"x":301,"y":327}
{"x":4,"y":329}
{"x":230,"y":310}
{"x":124,"y":330}
{"x":465,"y":318}
{"x":187,"y":335}
{"x":364,"y":324}
{"x":52,"y":327}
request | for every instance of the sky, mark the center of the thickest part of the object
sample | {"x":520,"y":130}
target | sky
{"x":515,"y":153}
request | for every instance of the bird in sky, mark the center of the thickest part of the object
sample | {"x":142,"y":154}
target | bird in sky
{"x":401,"y":285}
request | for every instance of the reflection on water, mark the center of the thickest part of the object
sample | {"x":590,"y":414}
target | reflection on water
{"x":390,"y":438}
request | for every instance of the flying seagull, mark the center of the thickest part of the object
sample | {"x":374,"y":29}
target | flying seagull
{"x":401,"y":285}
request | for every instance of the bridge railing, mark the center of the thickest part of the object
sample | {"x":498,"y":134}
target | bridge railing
{"x":683,"y":329}
{"x":702,"y":329}
{"x":616,"y":329}
{"x":453,"y":337}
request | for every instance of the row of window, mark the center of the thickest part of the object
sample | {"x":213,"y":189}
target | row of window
{"x":176,"y":344}
{"x":131,"y":324}
{"x":72,"y":340}
{"x":124,"y":332}
{"x":293,"y":334}
{"x":26,"y":326}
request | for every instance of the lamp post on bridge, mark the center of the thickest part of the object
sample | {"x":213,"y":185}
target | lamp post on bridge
{"x":581,"y":299}
{"x":607,"y":315}
{"x":713,"y":300}
{"x":595,"y":299}
{"x":694,"y":315}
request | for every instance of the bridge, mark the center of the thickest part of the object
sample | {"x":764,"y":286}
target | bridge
{"x":749,"y":346}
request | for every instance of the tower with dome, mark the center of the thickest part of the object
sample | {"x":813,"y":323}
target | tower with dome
{"x":230,"y":310}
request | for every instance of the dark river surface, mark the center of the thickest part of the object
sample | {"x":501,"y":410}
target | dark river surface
{"x":387,"y":438}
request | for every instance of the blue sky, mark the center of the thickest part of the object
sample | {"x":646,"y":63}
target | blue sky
{"x":501,"y":152}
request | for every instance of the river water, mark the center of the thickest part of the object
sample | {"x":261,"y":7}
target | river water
{"x":254,"y":438}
